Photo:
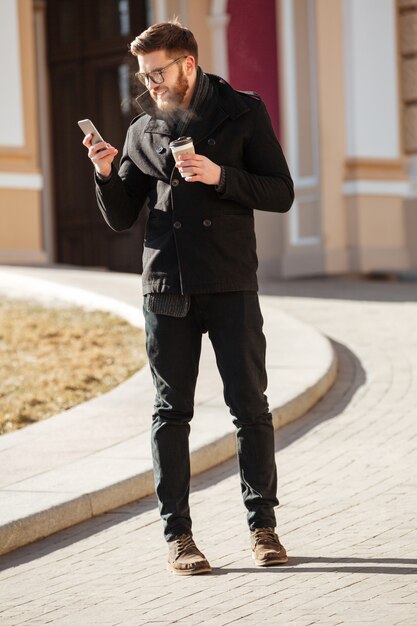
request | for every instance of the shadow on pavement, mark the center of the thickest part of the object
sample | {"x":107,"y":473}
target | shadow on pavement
{"x":341,"y":565}
{"x":350,"y":378}
{"x":343,"y":288}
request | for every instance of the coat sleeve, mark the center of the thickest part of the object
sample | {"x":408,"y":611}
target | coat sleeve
{"x":122,"y":196}
{"x":265,"y":183}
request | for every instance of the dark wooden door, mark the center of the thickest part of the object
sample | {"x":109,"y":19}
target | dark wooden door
{"x":91,"y":76}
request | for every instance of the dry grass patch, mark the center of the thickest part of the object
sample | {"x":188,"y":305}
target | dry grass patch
{"x":53,"y":359}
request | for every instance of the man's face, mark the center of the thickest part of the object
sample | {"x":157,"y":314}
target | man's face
{"x":172,"y":93}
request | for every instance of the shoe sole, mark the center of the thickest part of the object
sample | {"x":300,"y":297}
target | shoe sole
{"x":278,"y":561}
{"x":188,"y":572}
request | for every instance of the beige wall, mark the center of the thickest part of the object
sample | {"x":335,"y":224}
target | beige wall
{"x":360,"y":232}
{"x":363,"y":231}
{"x":377,"y":234}
{"x":21,"y":220}
{"x":20,"y":226}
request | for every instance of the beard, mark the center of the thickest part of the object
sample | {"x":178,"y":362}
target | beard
{"x":173,"y":97}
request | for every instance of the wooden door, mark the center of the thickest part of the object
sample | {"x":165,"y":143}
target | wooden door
{"x":91,"y":76}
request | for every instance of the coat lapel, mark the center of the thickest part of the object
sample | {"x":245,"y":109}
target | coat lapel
{"x":160,"y":127}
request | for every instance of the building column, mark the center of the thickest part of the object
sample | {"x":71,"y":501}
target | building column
{"x":375,"y":178}
{"x":298,"y":45}
{"x":218,"y":20}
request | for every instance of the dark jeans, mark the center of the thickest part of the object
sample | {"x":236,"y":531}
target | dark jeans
{"x":234,"y":324}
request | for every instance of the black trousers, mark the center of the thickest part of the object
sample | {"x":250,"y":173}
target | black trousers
{"x":234,"y":323}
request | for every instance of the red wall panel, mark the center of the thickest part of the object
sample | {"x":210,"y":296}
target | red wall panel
{"x":252,"y":49}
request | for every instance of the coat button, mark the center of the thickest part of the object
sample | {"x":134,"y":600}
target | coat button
{"x":160,"y":149}
{"x":207,"y":223}
{"x":175,"y":182}
{"x":177,"y":225}
{"x":211,"y":141}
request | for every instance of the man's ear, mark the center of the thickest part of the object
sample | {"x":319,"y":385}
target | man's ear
{"x":190,"y":64}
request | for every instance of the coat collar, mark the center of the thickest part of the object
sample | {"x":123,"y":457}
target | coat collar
{"x":228,"y":99}
{"x":228,"y":104}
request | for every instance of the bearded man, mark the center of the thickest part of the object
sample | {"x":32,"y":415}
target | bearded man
{"x":200,"y":269}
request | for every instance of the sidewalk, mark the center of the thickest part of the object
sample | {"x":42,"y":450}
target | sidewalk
{"x":348,"y":497}
{"x":96,"y":457}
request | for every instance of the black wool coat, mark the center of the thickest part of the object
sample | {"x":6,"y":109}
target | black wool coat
{"x":199,"y":239}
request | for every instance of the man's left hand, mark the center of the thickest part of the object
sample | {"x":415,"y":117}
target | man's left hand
{"x":197,"y":168}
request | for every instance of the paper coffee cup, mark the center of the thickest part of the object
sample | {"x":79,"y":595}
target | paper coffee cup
{"x":182,"y":145}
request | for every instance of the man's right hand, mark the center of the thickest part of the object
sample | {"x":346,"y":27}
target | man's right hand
{"x":101,"y":155}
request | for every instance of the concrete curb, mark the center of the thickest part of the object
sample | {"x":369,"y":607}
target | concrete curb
{"x":121,"y":472}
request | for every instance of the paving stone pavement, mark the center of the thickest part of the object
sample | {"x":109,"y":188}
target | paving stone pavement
{"x":348,"y":504}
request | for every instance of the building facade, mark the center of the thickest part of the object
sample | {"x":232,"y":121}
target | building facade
{"x":339,"y":80}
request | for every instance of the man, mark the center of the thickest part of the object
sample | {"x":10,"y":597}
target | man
{"x":200,"y":268}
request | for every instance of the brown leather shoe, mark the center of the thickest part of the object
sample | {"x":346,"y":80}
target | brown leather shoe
{"x":185,"y":559}
{"x":266,"y":547}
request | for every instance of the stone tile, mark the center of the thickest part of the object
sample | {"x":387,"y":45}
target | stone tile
{"x":348,"y":504}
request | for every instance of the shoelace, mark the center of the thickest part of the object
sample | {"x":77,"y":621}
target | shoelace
{"x":264,"y":535}
{"x":184,"y":543}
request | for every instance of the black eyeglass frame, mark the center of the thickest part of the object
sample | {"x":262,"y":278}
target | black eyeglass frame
{"x":146,"y":77}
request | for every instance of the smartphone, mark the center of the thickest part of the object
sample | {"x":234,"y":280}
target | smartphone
{"x":88,"y":127}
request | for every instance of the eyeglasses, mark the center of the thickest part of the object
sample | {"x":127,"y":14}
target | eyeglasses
{"x":157,"y":75}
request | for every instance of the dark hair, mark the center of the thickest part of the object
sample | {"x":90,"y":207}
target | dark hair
{"x":171,"y":36}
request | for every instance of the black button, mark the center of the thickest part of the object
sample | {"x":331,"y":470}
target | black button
{"x":206,"y":223}
{"x":177,"y":225}
{"x":211,"y":141}
{"x":160,"y":149}
{"x":175,"y":182}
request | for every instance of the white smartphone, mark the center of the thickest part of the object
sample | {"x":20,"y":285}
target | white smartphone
{"x":88,"y":127}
